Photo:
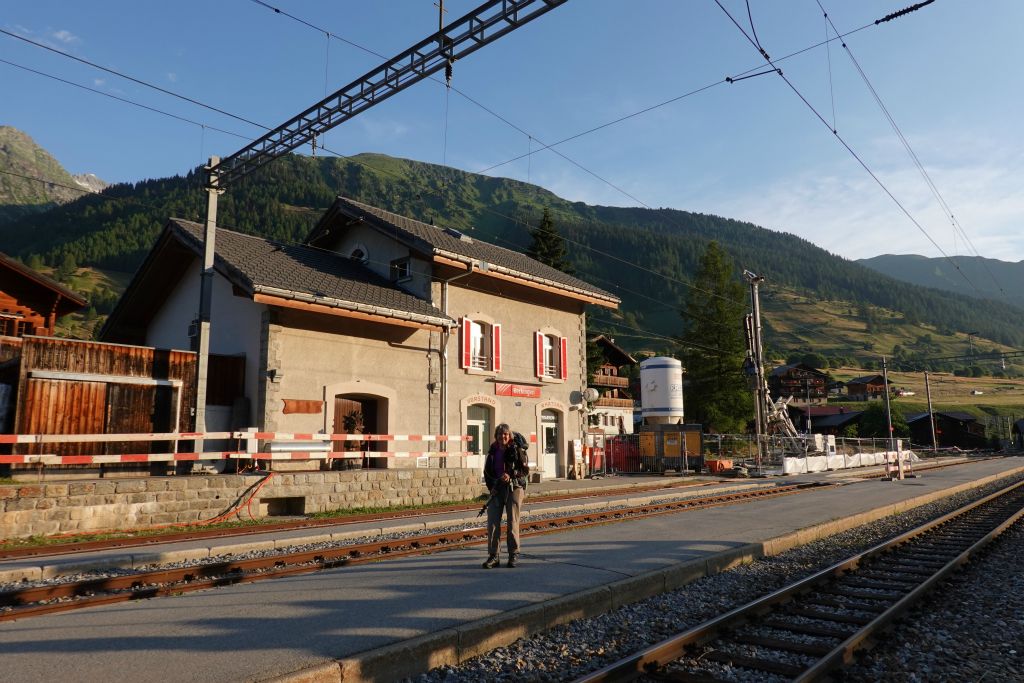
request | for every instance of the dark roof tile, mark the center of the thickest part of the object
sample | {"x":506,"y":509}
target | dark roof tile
{"x":434,"y":239}
{"x":256,"y":264}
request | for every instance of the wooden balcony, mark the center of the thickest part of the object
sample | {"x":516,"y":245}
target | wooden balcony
{"x":614,"y":403}
{"x":609,"y":381}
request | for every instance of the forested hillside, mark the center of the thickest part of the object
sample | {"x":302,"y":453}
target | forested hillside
{"x":647,"y":257}
{"x":971,"y":275}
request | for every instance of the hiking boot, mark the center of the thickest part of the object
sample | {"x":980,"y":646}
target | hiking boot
{"x":491,"y":562}
{"x":513,"y":560}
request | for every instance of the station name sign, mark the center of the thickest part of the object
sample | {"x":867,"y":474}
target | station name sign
{"x":517,"y":390}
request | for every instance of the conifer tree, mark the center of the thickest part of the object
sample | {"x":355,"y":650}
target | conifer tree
{"x":714,"y":347}
{"x":548,"y":247}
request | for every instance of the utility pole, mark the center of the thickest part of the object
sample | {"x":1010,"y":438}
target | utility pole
{"x":760,"y":391}
{"x":213,"y":189}
{"x":807,"y":389}
{"x":931,"y":416}
{"x":888,"y":421}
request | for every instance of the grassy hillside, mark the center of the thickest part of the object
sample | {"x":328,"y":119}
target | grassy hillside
{"x":814,"y":301}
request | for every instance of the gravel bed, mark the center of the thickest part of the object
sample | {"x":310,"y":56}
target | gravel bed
{"x":970,"y":629}
{"x":571,"y":650}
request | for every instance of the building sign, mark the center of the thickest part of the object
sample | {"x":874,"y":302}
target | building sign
{"x":517,"y":390}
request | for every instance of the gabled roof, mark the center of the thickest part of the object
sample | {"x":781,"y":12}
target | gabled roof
{"x":866,"y":379}
{"x":615,"y":354}
{"x":74,"y":300}
{"x":256,"y":265}
{"x":952,"y":415}
{"x":835,"y":420}
{"x":437,"y":241}
{"x":783,"y":369}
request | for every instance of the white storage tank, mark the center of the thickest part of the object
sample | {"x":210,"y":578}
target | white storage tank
{"x":661,"y":390}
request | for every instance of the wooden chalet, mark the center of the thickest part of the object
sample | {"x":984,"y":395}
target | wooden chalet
{"x":799,"y":380}
{"x":867,"y":387}
{"x":614,"y":406}
{"x":952,"y":430}
{"x":30,"y":302}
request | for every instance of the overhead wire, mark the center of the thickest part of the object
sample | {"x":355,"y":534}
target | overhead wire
{"x":133,"y":79}
{"x":910,"y":150}
{"x":853,"y":153}
{"x":513,"y":219}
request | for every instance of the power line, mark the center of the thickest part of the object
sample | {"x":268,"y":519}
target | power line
{"x":854,"y":154}
{"x":125,"y":100}
{"x":132,"y":79}
{"x":906,"y":144}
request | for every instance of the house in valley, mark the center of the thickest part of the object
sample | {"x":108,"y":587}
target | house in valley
{"x":613,"y":410}
{"x":31,"y":302}
{"x":378,"y":320}
{"x":864,"y":388}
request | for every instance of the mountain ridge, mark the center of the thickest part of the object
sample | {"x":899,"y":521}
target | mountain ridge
{"x":645,"y":256}
{"x":24,"y":160}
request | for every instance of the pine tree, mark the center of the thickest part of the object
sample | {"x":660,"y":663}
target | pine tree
{"x":548,"y":247}
{"x":714,"y":347}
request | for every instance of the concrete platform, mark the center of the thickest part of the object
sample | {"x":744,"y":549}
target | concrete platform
{"x":395,"y":618}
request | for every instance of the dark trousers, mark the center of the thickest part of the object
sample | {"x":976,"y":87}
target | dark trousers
{"x":510,"y":503}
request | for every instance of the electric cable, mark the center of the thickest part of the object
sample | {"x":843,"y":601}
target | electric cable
{"x":204,"y":126}
{"x":133,"y":79}
{"x":910,"y":151}
{"x":854,"y":154}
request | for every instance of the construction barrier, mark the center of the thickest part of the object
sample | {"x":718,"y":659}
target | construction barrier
{"x":248,"y":438}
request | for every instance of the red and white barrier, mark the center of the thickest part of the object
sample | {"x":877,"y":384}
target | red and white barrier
{"x":192,"y":436}
{"x":249,"y":437}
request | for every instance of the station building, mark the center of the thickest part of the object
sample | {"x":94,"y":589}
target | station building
{"x":380,"y":323}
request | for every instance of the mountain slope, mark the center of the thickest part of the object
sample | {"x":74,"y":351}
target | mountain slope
{"x":19,"y":154}
{"x":645,"y":256}
{"x":977,"y":276}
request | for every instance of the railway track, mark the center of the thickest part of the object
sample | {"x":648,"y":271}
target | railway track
{"x":804,"y":631}
{"x":143,"y":538}
{"x":54,"y":597}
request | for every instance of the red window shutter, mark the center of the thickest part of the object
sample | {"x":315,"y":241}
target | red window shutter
{"x":538,"y":347}
{"x":496,"y":347}
{"x":565,"y":358}
{"x":467,"y":343}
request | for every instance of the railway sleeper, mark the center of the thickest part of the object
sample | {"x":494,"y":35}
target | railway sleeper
{"x":863,"y":595}
{"x":880,"y":583}
{"x":829,"y":616}
{"x":756,"y":664}
{"x":808,"y":629}
{"x":839,"y":604}
{"x":810,"y":649}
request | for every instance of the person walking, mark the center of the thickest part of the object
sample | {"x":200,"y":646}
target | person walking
{"x":505,"y":474}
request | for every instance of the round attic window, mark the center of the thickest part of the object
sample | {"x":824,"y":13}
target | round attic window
{"x":359,"y":253}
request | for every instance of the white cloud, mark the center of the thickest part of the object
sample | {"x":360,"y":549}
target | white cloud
{"x":64,"y":36}
{"x":842,"y":209}
{"x":172,"y":77}
{"x":99,"y":82}
{"x":380,"y":129}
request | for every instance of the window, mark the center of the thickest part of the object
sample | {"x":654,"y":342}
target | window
{"x":551,"y":356}
{"x":401,"y":270}
{"x":481,"y":345}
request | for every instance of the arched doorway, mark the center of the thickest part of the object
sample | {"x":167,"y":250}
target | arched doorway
{"x":479,"y":426}
{"x":550,"y":438}
{"x":360,"y":414}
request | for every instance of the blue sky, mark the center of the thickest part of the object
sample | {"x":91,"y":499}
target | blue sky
{"x":752,"y":150}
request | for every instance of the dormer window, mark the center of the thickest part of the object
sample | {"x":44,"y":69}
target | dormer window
{"x":481,"y":345}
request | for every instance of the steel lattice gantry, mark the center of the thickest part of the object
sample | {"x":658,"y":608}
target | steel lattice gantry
{"x":464,"y":36}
